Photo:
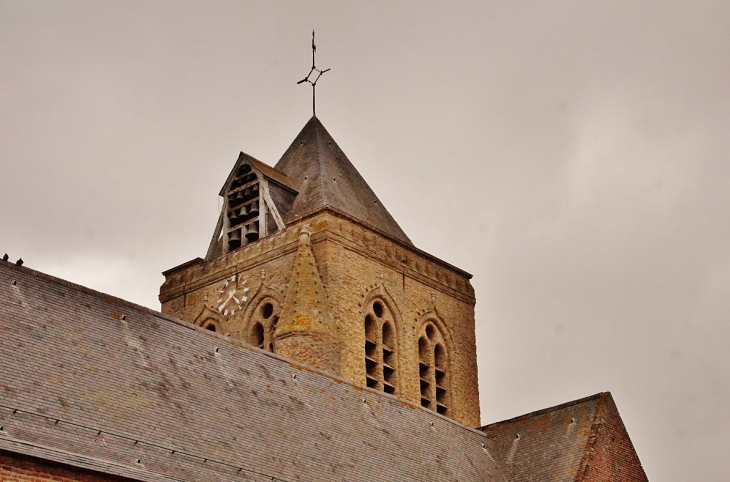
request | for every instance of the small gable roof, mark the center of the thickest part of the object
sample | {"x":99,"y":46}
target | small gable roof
{"x":324,"y":176}
{"x":268,"y":171}
{"x":93,"y":381}
{"x":561,"y":443}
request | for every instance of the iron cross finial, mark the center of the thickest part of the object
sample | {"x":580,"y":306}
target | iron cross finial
{"x":311,"y":71}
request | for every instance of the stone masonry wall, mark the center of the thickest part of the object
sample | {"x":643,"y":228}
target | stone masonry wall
{"x":354,"y":264}
{"x":353,"y":261}
{"x":263,"y":266}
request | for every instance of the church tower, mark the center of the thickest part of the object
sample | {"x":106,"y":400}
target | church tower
{"x":307,"y":263}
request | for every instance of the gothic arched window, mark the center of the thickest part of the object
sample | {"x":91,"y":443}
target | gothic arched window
{"x":262,"y":325}
{"x":380,"y":347}
{"x":433,"y":369}
{"x":210,"y":320}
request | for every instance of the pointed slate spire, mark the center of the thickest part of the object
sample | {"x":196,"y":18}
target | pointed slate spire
{"x":324,"y":176}
{"x":306,"y":331}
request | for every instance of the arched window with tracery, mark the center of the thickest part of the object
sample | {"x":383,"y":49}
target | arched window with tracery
{"x":433,"y":369}
{"x":380,"y":347}
{"x":262,"y":324}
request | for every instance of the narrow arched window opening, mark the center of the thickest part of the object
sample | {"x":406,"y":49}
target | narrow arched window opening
{"x":371,"y":348}
{"x":370,"y":329}
{"x":262,"y":323}
{"x":425,"y":371}
{"x":257,"y":335}
{"x":380,"y":348}
{"x":433,"y":369}
{"x":423,"y":349}
{"x":388,"y":358}
{"x":210,"y":327}
{"x":438,"y":356}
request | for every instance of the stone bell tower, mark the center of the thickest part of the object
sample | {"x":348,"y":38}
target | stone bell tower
{"x":306,"y":262}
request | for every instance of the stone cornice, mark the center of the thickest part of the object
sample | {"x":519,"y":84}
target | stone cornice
{"x":327,"y":224}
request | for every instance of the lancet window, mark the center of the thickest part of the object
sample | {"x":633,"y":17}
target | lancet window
{"x":380,"y":348}
{"x":262,"y":325}
{"x":433,"y":369}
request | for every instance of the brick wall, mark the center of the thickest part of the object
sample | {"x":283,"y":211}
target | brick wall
{"x":18,"y":468}
{"x":610,"y":455}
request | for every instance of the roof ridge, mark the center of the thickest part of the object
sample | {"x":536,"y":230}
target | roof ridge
{"x":92,"y":292}
{"x":547,"y":410}
{"x":320,"y":177}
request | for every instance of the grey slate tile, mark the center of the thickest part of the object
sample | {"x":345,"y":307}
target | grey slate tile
{"x":67,"y":354}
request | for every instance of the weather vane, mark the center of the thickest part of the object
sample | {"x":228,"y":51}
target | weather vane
{"x":312,"y":71}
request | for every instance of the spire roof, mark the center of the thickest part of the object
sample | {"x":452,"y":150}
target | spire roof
{"x":324,"y":176}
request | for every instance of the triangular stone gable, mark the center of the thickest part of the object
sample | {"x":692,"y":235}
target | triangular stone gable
{"x":324,"y":176}
{"x":306,"y":306}
{"x":307,"y":331}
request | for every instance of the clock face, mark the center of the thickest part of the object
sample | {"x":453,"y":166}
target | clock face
{"x":232,"y":296}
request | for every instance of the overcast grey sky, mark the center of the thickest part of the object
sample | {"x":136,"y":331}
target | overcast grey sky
{"x":572,"y":155}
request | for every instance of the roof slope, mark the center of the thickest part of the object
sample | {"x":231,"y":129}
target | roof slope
{"x":108,"y":385}
{"x":324,"y":176}
{"x":580,"y":440}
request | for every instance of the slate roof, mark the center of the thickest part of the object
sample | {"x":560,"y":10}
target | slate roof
{"x":556,"y":443}
{"x":272,"y":173}
{"x":93,"y":381}
{"x":324,"y":176}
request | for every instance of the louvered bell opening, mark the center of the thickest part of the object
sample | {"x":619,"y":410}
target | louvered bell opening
{"x":242,"y":209}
